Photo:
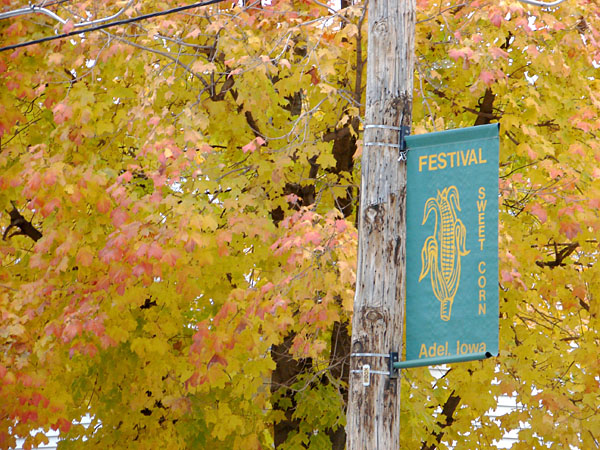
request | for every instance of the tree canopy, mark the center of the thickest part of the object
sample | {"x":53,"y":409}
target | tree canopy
{"x":178,"y":204}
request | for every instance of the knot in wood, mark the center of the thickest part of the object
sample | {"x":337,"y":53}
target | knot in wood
{"x":371,"y":213}
{"x":381,"y":27}
{"x":374,"y":316}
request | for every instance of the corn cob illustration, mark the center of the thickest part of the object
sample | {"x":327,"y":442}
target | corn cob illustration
{"x":441,"y":253}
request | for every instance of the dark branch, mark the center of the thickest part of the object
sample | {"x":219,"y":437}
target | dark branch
{"x":23,"y":226}
{"x":447,"y":412}
{"x":559,"y":255}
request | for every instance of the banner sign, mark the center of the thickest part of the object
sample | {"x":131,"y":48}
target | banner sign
{"x":452,"y":246}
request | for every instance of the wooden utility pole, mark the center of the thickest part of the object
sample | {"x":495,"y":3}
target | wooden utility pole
{"x":373,"y":419}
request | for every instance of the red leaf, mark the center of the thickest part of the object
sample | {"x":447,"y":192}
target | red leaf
{"x":570,"y":229}
{"x":217,"y":359}
{"x":71,"y":330}
{"x":50,"y":177}
{"x":580,"y":291}
{"x":34,"y":182}
{"x":119,"y":217}
{"x":103,"y":205}
{"x":314,"y":77}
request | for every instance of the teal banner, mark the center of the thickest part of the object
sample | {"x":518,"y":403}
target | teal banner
{"x":452,"y":246}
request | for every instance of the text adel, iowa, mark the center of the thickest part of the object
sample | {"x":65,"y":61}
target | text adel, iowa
{"x":462,"y":348}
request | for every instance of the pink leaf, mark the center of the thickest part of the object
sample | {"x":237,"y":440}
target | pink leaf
{"x":68,"y":26}
{"x":155,"y":251}
{"x":313,"y":237}
{"x":266,"y":288}
{"x":532,"y":50}
{"x":62,"y":113}
{"x":340,"y":226}
{"x":487,"y":77}
{"x":50,"y":206}
{"x":253,"y":145}
{"x":497,"y":52}
{"x":170,"y":257}
{"x":539,"y":212}
{"x":50,"y":177}
{"x":495,"y":17}
{"x":456,"y":54}
{"x":594,"y":203}
{"x":119,"y":217}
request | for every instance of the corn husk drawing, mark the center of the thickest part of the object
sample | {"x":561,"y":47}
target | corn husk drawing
{"x":441,"y":253}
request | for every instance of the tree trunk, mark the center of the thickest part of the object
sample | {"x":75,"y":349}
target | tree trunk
{"x":374,"y":411}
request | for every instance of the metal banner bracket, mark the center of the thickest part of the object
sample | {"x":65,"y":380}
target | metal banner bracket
{"x":403,"y":131}
{"x":394,"y":372}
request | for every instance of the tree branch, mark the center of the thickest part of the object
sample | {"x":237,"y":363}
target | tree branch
{"x":24,"y":226}
{"x":447,"y":411}
{"x":559,"y":255}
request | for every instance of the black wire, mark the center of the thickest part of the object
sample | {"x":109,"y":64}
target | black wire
{"x":111,"y":24}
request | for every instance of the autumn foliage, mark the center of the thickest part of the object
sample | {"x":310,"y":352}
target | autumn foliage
{"x":178,"y":200}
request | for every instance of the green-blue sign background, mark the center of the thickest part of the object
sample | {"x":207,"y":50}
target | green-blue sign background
{"x":452,"y":246}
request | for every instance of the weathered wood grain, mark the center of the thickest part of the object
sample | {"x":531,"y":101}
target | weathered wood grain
{"x":373,"y":420}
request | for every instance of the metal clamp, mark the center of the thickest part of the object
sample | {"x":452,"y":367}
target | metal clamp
{"x":378,"y":355}
{"x":366,"y":373}
{"x":401,"y":146}
{"x":384,"y":127}
{"x":367,"y":144}
{"x":394,"y":358}
{"x":366,"y":368}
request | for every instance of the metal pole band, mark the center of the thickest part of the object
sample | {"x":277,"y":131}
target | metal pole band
{"x":384,"y":127}
{"x":367,"y":144}
{"x":379,"y":355}
{"x":401,"y":146}
{"x":377,"y":372}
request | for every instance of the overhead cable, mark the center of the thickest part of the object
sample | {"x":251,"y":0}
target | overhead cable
{"x":110,"y":24}
{"x":542,"y":4}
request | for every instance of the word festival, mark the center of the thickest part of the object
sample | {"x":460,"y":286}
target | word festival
{"x":458,"y":158}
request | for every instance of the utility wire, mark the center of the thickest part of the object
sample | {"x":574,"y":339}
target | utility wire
{"x":111,"y":24}
{"x":542,"y":4}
